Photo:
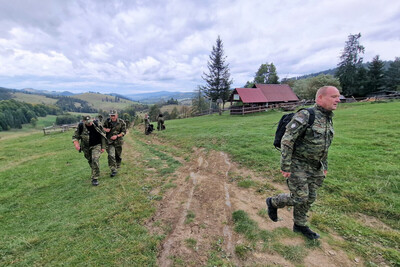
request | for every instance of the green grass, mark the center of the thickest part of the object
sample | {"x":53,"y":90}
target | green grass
{"x":50,"y":215}
{"x":364,"y":169}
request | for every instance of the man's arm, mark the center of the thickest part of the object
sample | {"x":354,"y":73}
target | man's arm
{"x":294,"y":129}
{"x":75,"y":138}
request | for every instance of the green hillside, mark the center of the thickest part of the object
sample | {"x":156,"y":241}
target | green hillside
{"x":34,"y":99}
{"x":51,"y":215}
{"x":98,"y":101}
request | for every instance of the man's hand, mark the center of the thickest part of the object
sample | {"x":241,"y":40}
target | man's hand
{"x":285,"y":174}
{"x":107,"y":130}
{"x":102,"y":150}
{"x":114,"y":137}
{"x":77,"y":147}
{"x":325,"y":172}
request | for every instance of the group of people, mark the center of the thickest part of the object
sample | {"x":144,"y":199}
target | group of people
{"x":304,"y":153}
{"x":93,"y":138}
{"x":148,"y":127}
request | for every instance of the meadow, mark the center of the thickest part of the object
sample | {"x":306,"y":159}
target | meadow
{"x":50,"y":215}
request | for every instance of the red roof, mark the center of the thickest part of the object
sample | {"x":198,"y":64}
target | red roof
{"x":251,"y":95}
{"x":277,"y":92}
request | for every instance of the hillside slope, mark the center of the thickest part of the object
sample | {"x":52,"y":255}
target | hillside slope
{"x":194,"y":195}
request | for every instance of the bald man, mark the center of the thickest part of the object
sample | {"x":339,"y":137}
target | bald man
{"x":304,"y":159}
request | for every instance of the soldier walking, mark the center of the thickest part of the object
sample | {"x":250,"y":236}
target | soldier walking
{"x":160,"y":122}
{"x":90,"y":138}
{"x":304,"y":159}
{"x":115,"y":129}
{"x":146,"y":124}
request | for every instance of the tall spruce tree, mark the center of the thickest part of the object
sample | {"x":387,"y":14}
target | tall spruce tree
{"x":376,"y":75}
{"x":350,"y":61}
{"x":218,"y":80}
{"x":393,"y":75}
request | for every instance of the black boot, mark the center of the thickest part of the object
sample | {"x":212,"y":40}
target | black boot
{"x":272,"y":211}
{"x":113,"y":173}
{"x":306,"y":231}
{"x":95,"y":182}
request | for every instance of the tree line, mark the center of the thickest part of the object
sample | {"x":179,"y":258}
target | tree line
{"x":352,"y":76}
{"x":15,"y":113}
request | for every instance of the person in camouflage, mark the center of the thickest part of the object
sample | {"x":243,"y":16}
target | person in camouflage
{"x":115,"y":129}
{"x":304,"y":159}
{"x":90,"y":138}
{"x":160,"y":122}
{"x":146,"y":124}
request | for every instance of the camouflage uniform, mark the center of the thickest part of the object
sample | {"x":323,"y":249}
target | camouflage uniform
{"x":91,"y":153}
{"x":160,"y":123}
{"x":114,"y":148}
{"x":146,"y":125}
{"x":304,"y":155}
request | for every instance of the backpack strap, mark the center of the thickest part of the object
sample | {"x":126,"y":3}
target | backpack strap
{"x":311,"y":119}
{"x":80,"y":128}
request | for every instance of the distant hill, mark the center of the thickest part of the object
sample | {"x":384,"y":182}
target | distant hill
{"x":46,"y":92}
{"x":94,"y":100}
{"x":105,"y":102}
{"x":333,"y":71}
{"x":154,"y":97}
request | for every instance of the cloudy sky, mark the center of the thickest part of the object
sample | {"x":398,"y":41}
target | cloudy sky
{"x":135,"y":46}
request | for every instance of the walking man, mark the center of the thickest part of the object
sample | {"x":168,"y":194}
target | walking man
{"x":304,"y":159}
{"x":115,"y":129}
{"x":90,"y":138}
{"x":147,"y":128}
{"x":160,"y":122}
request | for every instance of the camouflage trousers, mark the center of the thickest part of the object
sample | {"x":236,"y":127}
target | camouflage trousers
{"x":303,"y":184}
{"x":92,"y":154}
{"x":114,"y":156}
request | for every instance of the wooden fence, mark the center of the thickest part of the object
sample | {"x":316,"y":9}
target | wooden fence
{"x":58,"y":128}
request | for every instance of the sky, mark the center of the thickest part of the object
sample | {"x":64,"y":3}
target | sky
{"x":139,"y":46}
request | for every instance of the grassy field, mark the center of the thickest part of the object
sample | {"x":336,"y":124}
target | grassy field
{"x":96,"y":101}
{"x":50,"y":215}
{"x":34,"y":99}
{"x":364,"y":169}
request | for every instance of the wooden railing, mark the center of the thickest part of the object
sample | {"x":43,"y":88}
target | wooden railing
{"x":234,"y":110}
{"x":58,"y":128}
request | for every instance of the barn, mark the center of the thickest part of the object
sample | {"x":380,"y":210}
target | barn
{"x":260,"y":97}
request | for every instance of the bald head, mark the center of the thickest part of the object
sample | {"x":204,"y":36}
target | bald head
{"x":327,"y":97}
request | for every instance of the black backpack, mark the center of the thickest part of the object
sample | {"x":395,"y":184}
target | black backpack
{"x":80,"y":126}
{"x":280,"y":130}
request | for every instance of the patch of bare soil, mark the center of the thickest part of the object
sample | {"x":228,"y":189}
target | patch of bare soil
{"x":372,"y":222}
{"x":197,"y":213}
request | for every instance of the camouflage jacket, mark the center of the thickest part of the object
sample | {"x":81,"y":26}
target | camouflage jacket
{"x":82,"y":135}
{"x":117,"y":128}
{"x":307,"y":144}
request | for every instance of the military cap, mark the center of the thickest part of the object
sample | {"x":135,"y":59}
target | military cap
{"x":87,"y":118}
{"x":113,"y":112}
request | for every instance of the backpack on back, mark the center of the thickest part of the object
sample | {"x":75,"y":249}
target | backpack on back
{"x":80,"y":126}
{"x":280,"y":130}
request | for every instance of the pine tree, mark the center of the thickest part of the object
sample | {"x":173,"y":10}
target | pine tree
{"x":376,"y":75}
{"x":218,"y":80}
{"x":393,"y":75}
{"x":350,"y":62}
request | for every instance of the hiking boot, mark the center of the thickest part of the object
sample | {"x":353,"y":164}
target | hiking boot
{"x":95,"y":182}
{"x":272,"y":211}
{"x":306,"y":231}
{"x":113,"y":173}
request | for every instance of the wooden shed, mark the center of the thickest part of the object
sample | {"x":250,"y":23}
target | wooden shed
{"x":260,"y":97}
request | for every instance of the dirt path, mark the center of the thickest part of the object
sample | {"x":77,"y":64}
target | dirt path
{"x":196,"y":218}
